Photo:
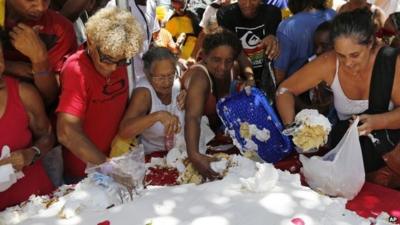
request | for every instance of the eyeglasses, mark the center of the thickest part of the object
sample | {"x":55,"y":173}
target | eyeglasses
{"x":107,"y":59}
{"x":168,"y":78}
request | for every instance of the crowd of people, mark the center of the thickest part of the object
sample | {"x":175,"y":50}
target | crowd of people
{"x":153,"y":71}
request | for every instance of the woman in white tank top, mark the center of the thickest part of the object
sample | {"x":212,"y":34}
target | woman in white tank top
{"x":348,"y":70}
{"x":153,"y":112}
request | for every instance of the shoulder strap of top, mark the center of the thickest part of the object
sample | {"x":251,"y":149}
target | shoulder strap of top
{"x":13,"y":97}
{"x":206,"y":71}
{"x":382,"y":80}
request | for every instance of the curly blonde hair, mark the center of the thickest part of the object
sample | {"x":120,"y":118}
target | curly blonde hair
{"x":115,"y":32}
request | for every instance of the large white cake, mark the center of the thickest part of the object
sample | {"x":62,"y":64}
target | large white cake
{"x":251,"y":193}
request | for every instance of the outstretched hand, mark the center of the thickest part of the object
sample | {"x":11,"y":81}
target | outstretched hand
{"x":368,"y":124}
{"x":270,"y":43}
{"x":171,"y":122}
{"x":202,"y":164}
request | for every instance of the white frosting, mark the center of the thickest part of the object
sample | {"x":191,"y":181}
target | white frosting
{"x":311,"y":130}
{"x":312,"y":117}
{"x":219,"y":166}
{"x":175,"y":158}
{"x":249,"y":193}
{"x":262,"y":135}
{"x":264,"y":179}
{"x":86,"y":196}
{"x":250,"y":145}
{"x":385,"y":219}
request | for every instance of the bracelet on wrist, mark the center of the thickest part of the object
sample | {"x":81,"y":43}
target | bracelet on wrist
{"x":37,"y":155}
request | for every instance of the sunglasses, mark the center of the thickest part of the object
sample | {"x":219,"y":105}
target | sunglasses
{"x":107,"y":59}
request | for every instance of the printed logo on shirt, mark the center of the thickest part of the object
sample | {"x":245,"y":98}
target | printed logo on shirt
{"x":250,"y":38}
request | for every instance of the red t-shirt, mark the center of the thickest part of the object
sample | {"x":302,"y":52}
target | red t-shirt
{"x":99,"y":104}
{"x":57,"y":34}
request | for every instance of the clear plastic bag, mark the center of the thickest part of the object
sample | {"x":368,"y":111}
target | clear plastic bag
{"x":340,"y":172}
{"x":127,"y":170}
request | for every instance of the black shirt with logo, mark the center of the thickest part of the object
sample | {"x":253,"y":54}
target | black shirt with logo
{"x":251,"y":31}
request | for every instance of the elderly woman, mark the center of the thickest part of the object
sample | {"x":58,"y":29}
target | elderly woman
{"x":153,"y":111}
{"x":26,"y":130}
{"x":362,"y":84}
{"x":95,"y":90}
{"x":207,"y":82}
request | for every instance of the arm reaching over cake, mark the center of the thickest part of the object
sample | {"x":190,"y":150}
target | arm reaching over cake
{"x":363,"y":76}
{"x":198,"y":88}
{"x":206,"y":82}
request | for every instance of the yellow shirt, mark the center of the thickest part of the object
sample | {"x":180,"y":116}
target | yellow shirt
{"x":182,"y":24}
{"x":2,"y":12}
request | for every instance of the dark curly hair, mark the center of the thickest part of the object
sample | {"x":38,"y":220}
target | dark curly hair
{"x":222,"y":37}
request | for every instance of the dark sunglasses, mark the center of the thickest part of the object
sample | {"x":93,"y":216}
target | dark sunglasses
{"x":107,"y":59}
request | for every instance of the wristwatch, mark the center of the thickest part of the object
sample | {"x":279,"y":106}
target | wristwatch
{"x":37,"y":155}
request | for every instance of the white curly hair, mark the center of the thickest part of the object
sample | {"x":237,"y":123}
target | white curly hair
{"x":115,"y":32}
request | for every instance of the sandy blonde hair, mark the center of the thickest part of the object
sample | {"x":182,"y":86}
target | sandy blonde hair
{"x":116,"y":32}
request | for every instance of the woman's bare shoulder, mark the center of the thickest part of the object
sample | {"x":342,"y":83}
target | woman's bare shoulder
{"x":195,"y":74}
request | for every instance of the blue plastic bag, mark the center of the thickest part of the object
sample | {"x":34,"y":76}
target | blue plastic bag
{"x":254,"y":109}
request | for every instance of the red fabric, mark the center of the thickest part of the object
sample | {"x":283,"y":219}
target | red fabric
{"x":14,"y":123}
{"x":99,"y":104}
{"x":106,"y":222}
{"x":374,"y":199}
{"x":14,"y":132}
{"x":161,"y":176}
{"x":57,"y":34}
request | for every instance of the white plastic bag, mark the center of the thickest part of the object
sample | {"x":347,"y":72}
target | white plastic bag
{"x":8,"y":175}
{"x":341,"y":171}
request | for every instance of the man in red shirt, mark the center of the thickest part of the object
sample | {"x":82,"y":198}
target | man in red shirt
{"x":36,"y":41}
{"x":95,"y":90}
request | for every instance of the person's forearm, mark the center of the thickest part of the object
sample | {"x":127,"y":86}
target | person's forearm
{"x":45,"y":143}
{"x":388,"y":120}
{"x":192,"y":135}
{"x":285,"y":103}
{"x":132,"y":127}
{"x":45,"y":80}
{"x":77,"y":142}
{"x":18,"y":68}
